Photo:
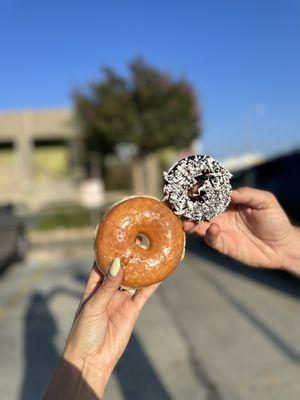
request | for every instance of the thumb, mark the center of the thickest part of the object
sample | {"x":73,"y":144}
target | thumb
{"x":111,"y":284}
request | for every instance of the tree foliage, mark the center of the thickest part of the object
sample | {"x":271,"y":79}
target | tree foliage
{"x":147,"y":108}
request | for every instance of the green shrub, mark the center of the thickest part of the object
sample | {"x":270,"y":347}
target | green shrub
{"x":64,"y":216}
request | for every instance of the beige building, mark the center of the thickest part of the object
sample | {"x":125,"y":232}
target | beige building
{"x":38,"y":161}
{"x":36,"y":155}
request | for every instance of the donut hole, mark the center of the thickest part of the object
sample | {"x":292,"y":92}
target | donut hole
{"x":193,"y":193}
{"x":142,"y":241}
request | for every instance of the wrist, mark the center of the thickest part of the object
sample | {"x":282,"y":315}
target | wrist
{"x":84,"y":381}
{"x":95,"y":375}
{"x":292,"y":253}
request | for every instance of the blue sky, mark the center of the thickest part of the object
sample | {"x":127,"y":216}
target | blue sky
{"x":242,"y":56}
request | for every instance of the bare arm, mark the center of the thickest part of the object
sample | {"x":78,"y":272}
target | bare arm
{"x":70,"y":382}
{"x":99,"y":335}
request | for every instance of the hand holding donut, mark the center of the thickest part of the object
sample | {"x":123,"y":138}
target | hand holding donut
{"x":254,"y":230}
{"x":98,"y":337}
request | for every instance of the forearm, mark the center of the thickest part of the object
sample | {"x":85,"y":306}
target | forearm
{"x":292,"y":258}
{"x":70,"y":382}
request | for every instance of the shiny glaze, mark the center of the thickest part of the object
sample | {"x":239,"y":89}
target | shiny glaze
{"x":116,"y":237}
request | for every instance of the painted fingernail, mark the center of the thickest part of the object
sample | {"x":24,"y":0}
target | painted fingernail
{"x":115,"y":267}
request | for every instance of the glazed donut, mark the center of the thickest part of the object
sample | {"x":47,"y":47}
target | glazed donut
{"x":147,"y":237}
{"x":197,"y":188}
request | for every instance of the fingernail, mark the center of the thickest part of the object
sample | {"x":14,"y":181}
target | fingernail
{"x":115,"y":267}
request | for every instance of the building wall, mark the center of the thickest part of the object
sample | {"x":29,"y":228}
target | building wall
{"x":38,"y":124}
{"x":29,"y":173}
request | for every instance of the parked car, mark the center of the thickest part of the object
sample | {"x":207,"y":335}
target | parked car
{"x":13,"y":242}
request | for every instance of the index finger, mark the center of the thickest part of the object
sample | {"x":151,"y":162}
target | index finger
{"x":254,"y":198}
{"x":143,"y":295}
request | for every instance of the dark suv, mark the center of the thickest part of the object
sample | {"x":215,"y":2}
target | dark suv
{"x":13,"y":243}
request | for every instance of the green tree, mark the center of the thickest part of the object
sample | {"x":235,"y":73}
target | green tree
{"x":146,"y":108}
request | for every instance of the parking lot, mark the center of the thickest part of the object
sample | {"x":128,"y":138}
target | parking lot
{"x":215,"y":330}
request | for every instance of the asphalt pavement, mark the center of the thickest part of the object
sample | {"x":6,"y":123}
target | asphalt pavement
{"x":215,"y":330}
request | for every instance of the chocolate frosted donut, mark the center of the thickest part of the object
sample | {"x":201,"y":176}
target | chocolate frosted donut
{"x":197,"y":188}
{"x":146,"y":235}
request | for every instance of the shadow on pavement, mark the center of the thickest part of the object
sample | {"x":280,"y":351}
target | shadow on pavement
{"x":40,"y":354}
{"x":4,"y":266}
{"x":137,"y":377}
{"x":278,"y":280}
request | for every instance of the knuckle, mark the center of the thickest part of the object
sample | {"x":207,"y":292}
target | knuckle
{"x":107,"y":287}
{"x":245,"y":189}
{"x":270,"y":196}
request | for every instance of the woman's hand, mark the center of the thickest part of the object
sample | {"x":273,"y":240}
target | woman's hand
{"x":254,"y":230}
{"x":100,"y":332}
